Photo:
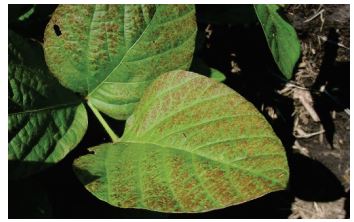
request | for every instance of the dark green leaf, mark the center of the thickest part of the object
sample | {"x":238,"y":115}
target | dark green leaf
{"x":17,"y":10}
{"x":281,"y":38}
{"x":45,"y":120}
{"x":28,"y":14}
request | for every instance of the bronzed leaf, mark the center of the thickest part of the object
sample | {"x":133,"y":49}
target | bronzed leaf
{"x":111,"y":53}
{"x":191,"y":145}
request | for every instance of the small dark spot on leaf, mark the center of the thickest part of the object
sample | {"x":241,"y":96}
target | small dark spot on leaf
{"x":57,"y":30}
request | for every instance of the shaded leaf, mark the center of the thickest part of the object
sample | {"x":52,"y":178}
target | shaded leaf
{"x":111,"y":53}
{"x":30,"y":20}
{"x":28,"y":14}
{"x":191,"y":145}
{"x":281,"y":38}
{"x":45,"y":120}
{"x":16,"y":11}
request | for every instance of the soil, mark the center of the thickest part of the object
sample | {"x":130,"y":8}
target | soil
{"x":326,"y":73}
{"x":309,"y":113}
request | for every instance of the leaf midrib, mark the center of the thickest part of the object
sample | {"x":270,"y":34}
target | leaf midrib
{"x":121,"y":61}
{"x":59,"y":106}
{"x":275,"y":21}
{"x":270,"y":17}
{"x":230,"y":164}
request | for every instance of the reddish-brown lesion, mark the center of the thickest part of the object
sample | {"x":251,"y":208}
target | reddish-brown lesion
{"x":185,"y":185}
{"x":131,"y":202}
{"x":94,"y":186}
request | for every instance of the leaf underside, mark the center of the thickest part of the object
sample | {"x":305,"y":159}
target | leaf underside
{"x":281,"y":38}
{"x":45,"y":120}
{"x":111,"y":53}
{"x":192,"y":145}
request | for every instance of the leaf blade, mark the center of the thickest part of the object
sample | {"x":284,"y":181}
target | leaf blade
{"x":174,"y":137}
{"x":199,"y":66}
{"x":281,"y":38}
{"x":45,"y":121}
{"x":116,"y":61}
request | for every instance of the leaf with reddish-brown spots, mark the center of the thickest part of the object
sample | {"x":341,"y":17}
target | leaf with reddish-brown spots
{"x":111,"y":53}
{"x":191,"y":145}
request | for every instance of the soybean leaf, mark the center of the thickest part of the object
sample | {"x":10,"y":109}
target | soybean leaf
{"x":111,"y":53}
{"x":217,"y":75}
{"x":30,"y":20}
{"x":45,"y":120}
{"x":191,"y":145}
{"x":199,"y":66}
{"x":17,"y":11}
{"x":28,"y":14}
{"x":281,"y":38}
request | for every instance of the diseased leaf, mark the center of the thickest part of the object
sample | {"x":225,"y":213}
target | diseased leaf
{"x":111,"y":53}
{"x":191,"y":145}
{"x":45,"y":120}
{"x":281,"y":37}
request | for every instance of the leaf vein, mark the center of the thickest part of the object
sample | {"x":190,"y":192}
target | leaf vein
{"x":161,"y":120}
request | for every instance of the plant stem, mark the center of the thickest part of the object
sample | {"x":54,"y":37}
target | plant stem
{"x":100,"y":118}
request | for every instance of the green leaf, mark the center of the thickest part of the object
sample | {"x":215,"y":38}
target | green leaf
{"x":111,"y":53}
{"x":45,"y":120}
{"x":199,"y":66}
{"x":28,"y":14}
{"x":191,"y":145}
{"x":217,"y":75}
{"x":16,"y":11}
{"x":281,"y":37}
